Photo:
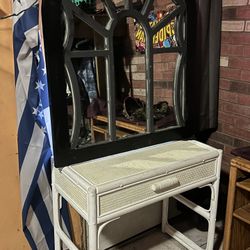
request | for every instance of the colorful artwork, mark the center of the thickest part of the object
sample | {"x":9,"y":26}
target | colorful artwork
{"x":164,"y":38}
{"x":78,"y":2}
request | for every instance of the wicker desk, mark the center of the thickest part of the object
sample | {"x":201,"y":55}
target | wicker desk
{"x":105,"y":189}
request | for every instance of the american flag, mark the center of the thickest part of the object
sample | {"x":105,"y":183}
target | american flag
{"x":34,"y":129}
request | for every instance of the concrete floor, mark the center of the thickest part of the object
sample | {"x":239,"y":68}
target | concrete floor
{"x":190,"y":224}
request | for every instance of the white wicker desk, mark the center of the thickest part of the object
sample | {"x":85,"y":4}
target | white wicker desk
{"x":105,"y":189}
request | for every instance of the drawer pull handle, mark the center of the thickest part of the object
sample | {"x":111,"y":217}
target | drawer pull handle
{"x":165,"y":185}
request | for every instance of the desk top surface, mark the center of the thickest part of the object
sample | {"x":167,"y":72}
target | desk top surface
{"x":155,"y":159}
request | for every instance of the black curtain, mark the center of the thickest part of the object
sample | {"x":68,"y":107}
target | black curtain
{"x":203,"y":56}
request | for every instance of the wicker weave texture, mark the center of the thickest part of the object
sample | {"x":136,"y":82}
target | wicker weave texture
{"x":142,"y":191}
{"x":73,"y":191}
{"x":127,"y":164}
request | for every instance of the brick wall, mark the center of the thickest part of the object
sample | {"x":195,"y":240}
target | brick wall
{"x":234,"y":93}
{"x":164,"y":66}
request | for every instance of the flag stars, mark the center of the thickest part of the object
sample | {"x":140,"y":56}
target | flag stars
{"x":41,"y":115}
{"x":35,"y":111}
{"x":44,"y":71}
{"x":44,"y":130}
{"x":39,"y":85}
{"x":37,"y":56}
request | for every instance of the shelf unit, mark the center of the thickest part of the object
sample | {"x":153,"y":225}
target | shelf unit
{"x":237,"y":221}
{"x":243,"y":213}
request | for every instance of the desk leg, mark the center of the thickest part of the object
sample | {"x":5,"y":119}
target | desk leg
{"x":213,"y":212}
{"x":164,"y":215}
{"x":92,"y":241}
{"x":92,"y":220}
{"x":230,"y":207}
{"x":56,"y":213}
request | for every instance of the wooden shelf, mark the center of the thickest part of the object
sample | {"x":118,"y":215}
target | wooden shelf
{"x":243,"y":213}
{"x":244,"y":185}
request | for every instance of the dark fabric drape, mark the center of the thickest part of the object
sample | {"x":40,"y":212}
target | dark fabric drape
{"x":203,"y":54}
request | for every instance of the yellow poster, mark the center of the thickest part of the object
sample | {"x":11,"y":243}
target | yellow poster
{"x":164,"y":38}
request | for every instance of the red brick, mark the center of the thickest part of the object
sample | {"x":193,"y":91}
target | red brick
{"x":221,"y":105}
{"x":236,"y":109}
{"x":222,"y":138}
{"x":232,"y":50}
{"x":226,"y":37}
{"x":243,"y":123}
{"x":240,"y":87}
{"x":229,"y":13}
{"x":224,"y":84}
{"x":215,"y":144}
{"x":157,"y":58}
{"x":166,"y":57}
{"x":227,"y":118}
{"x":236,"y":38}
{"x":162,"y":93}
{"x":160,"y":67}
{"x":239,"y":63}
{"x":230,"y":73}
{"x":168,"y":75}
{"x":140,"y":67}
{"x":158,"y":76}
{"x":219,"y":129}
{"x":139,"y":84}
{"x":235,"y":132}
{"x":228,"y":96}
{"x":171,"y":65}
{"x":238,"y":143}
{"x":162,"y":84}
{"x":243,"y":12}
{"x":246,"y":51}
{"x":244,"y":99}
{"x":245,"y":75}
{"x":228,"y":149}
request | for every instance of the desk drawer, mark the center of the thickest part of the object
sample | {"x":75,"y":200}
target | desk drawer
{"x":139,"y":192}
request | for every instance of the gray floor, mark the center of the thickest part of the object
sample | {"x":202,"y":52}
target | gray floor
{"x":189,"y":223}
{"x":155,"y":240}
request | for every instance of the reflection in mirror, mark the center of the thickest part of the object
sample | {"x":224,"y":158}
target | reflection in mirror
{"x":85,"y":37}
{"x":83,"y":100}
{"x":88,"y":67}
{"x":87,"y":6}
{"x":129,"y":81}
{"x":164,"y":77}
{"x":164,"y":37}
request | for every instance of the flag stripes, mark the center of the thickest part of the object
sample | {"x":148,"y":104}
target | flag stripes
{"x":34,"y":130}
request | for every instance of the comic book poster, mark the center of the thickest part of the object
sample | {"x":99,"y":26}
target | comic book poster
{"x":164,"y":38}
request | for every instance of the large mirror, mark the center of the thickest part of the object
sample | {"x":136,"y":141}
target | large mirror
{"x":124,"y":68}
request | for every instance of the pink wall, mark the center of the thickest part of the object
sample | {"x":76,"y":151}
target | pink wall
{"x":11,"y":236}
